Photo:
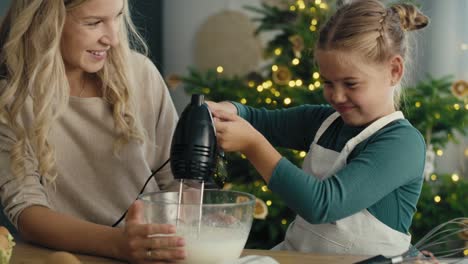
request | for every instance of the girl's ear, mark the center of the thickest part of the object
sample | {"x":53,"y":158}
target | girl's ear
{"x":396,"y":69}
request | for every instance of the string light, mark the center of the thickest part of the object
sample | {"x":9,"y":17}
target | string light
{"x":298,"y":82}
{"x":278,"y":51}
{"x":277,"y":94}
{"x":464,"y":46}
{"x":292,"y":83}
{"x":301,"y":4}
{"x":260,"y":88}
{"x":313,"y":28}
{"x":318,"y":2}
{"x":243,"y":101}
{"x":466,"y":107}
{"x":433,"y":177}
{"x":440,"y":153}
{"x":311,"y":87}
{"x":456,"y":107}
{"x":314,"y":22}
{"x":292,"y":8}
{"x":264,"y":188}
{"x":302,"y":154}
{"x":287,"y":101}
{"x":274,"y":68}
{"x":466,"y":152}
{"x":465,"y":252}
{"x":284,"y":221}
{"x":437,"y":199}
{"x":417,"y":104}
{"x":437,"y":116}
{"x":296,"y":61}
{"x":220,"y":69}
{"x":323,"y":6}
{"x":268,"y":100}
{"x":243,"y":156}
{"x":316,"y":75}
{"x":269,"y":203}
{"x":455,"y":177}
{"x":317,"y":84}
{"x":206,"y":90}
{"x":417,"y":216}
{"x":313,"y":9}
{"x":251,"y":84}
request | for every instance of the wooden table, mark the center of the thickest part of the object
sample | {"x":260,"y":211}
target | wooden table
{"x":24,"y":253}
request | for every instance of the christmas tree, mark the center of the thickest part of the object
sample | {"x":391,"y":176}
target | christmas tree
{"x":291,"y":78}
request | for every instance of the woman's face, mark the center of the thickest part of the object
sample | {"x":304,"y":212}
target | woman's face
{"x":359,"y":90}
{"x":89,"y":32}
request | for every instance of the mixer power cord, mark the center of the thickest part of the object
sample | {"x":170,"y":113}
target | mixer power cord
{"x":142,"y":190}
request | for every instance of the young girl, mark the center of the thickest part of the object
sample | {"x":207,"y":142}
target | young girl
{"x":361,"y":179}
{"x":84,"y":121}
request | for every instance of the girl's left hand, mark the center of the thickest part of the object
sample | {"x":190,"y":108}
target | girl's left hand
{"x":234,"y":133}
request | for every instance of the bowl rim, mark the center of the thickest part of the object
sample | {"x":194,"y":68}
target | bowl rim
{"x":251,"y":201}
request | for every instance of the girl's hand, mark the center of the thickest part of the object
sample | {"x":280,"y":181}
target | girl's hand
{"x":234,"y":133}
{"x":222,"y":106}
{"x":141,"y":243}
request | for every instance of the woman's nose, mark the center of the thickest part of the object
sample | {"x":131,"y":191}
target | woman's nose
{"x":111,"y":35}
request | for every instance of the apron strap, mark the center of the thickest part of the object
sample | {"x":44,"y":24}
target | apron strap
{"x":325,"y":125}
{"x":371,"y":129}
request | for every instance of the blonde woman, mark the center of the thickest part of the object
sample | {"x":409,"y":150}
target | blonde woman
{"x":84,"y":121}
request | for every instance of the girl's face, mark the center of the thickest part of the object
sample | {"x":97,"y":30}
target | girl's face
{"x":359,"y":90}
{"x":89,"y":32}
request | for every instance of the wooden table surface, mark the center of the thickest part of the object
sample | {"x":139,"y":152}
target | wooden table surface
{"x":24,"y":253}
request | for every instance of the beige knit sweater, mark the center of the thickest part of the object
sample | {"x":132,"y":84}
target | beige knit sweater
{"x":92,"y":183}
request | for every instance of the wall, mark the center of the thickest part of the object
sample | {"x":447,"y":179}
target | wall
{"x":3,"y":6}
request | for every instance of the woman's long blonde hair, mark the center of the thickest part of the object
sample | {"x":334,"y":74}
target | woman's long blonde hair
{"x":32,"y":68}
{"x":372,"y":30}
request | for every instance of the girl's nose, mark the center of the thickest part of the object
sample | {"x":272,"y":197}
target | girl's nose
{"x":338,"y":96}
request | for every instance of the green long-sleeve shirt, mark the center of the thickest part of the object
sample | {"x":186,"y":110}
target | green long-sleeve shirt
{"x":383,"y":174}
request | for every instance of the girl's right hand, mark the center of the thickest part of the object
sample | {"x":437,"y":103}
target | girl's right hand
{"x":142,"y":243}
{"x":224,"y":106}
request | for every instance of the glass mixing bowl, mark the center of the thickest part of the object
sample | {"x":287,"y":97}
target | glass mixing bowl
{"x":215,"y":232}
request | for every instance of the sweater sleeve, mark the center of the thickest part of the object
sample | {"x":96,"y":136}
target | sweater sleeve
{"x":166,"y":121}
{"x":286,"y":127}
{"x":18,"y":194}
{"x":389,"y":160}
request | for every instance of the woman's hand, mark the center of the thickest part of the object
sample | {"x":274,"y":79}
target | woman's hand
{"x":149,"y":243}
{"x":234,"y":133}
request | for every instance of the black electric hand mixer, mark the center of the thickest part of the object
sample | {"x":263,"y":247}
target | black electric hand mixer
{"x":194,"y":150}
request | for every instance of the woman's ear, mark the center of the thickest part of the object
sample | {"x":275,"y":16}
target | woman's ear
{"x":396,"y":69}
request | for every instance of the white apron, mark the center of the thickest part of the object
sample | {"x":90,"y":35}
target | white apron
{"x":358,"y":234}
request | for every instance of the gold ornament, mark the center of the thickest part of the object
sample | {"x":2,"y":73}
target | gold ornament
{"x":173,"y":80}
{"x":282,"y":76}
{"x":460,"y":88}
{"x":464,"y":234}
{"x":261,"y":209}
{"x":297,"y":45}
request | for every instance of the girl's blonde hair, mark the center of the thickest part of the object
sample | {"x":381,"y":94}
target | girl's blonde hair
{"x":373,"y":30}
{"x":32,"y":68}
